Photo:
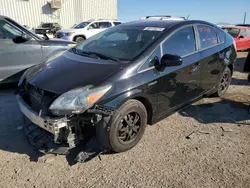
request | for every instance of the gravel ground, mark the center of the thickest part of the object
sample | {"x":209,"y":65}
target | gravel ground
{"x":205,"y":145}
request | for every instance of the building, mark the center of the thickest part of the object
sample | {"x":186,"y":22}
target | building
{"x":33,"y":12}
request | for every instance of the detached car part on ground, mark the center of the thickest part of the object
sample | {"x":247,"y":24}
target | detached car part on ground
{"x":112,"y":85}
{"x":21,"y":49}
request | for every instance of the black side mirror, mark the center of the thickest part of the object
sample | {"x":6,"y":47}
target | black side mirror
{"x":169,"y":60}
{"x":19,"y":39}
{"x":241,"y":37}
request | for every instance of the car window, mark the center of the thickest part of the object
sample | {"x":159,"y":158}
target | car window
{"x":95,"y":25}
{"x":129,"y":41}
{"x":8,"y":31}
{"x":117,"y":23}
{"x":248,"y":32}
{"x":181,"y":42}
{"x":207,"y":36}
{"x":221,"y":35}
{"x":149,"y":62}
{"x":104,"y":25}
{"x":234,"y":32}
{"x":243,"y":33}
{"x":81,"y":25}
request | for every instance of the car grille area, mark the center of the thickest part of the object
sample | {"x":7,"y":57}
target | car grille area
{"x":38,"y":99}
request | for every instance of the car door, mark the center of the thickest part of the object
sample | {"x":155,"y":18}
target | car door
{"x":180,"y":84}
{"x":248,"y":38}
{"x":211,"y":50}
{"x":242,"y":40}
{"x":16,"y":56}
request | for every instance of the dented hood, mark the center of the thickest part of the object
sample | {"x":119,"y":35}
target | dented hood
{"x":69,"y":71}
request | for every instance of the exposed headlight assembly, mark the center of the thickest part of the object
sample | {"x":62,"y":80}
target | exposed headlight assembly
{"x":78,"y":100}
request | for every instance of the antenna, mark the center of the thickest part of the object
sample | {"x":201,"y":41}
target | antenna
{"x":245,"y":18}
{"x":188,"y":16}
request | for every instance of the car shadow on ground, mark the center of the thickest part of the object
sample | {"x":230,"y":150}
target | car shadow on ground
{"x":232,"y":108}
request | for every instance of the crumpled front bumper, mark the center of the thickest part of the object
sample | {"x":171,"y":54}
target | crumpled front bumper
{"x":50,"y":125}
{"x":43,"y":133}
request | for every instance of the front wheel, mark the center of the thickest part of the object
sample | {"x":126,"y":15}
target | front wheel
{"x":223,"y":83}
{"x":79,"y":39}
{"x":125,"y":128}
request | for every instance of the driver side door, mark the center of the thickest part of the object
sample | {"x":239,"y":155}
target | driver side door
{"x":16,"y":57}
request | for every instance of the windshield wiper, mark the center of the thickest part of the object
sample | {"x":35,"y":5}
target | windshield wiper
{"x":101,"y":56}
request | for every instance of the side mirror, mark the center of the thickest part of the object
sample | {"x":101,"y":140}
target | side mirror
{"x":169,"y":60}
{"x":241,"y":37}
{"x":20,"y":39}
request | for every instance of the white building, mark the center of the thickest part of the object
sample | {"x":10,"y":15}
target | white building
{"x":33,"y":12}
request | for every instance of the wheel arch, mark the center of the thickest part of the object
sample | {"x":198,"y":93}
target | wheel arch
{"x":136,"y":95}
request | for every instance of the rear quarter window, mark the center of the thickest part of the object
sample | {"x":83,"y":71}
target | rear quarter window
{"x":207,"y":36}
{"x":221,"y":35}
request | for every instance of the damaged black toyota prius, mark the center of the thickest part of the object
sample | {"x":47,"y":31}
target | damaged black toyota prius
{"x":116,"y":82}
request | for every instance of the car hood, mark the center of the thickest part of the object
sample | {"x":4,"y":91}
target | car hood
{"x":66,"y":30}
{"x":69,"y":71}
{"x":56,"y":42}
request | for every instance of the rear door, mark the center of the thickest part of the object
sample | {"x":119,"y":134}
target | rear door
{"x":248,"y":37}
{"x":16,"y":57}
{"x":211,"y":51}
{"x":180,"y":84}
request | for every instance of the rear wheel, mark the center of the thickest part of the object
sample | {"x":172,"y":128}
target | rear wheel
{"x":223,"y":83}
{"x":126,"y":127}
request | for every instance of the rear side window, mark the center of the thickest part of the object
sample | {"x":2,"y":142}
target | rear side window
{"x":104,"y":25}
{"x":207,"y":36}
{"x":181,"y":43}
{"x":221,"y":35}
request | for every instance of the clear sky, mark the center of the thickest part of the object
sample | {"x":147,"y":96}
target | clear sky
{"x":230,"y":11}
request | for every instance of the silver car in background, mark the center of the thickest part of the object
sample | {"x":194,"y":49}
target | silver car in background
{"x":21,"y":49}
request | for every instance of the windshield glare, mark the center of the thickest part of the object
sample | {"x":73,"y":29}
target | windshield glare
{"x":234,"y":32}
{"x":81,"y":25}
{"x":123,"y":43}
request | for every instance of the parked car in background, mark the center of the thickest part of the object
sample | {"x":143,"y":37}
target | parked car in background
{"x":243,"y":25}
{"x":115,"y":83}
{"x":162,"y":17}
{"x":48,"y":28}
{"x":21,"y":49}
{"x":84,"y":30}
{"x":241,"y":36}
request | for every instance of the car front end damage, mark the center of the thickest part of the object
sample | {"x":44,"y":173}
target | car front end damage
{"x":57,"y":134}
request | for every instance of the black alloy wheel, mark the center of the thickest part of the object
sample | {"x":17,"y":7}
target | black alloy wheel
{"x":129,"y":127}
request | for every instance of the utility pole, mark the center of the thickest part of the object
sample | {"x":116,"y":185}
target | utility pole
{"x":245,"y":18}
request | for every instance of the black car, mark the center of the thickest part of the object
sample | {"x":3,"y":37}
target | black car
{"x":116,"y":82}
{"x":48,"y":28}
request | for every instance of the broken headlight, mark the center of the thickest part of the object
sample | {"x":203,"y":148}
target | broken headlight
{"x":78,"y":100}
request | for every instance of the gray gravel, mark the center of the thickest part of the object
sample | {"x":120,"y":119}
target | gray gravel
{"x":205,"y":145}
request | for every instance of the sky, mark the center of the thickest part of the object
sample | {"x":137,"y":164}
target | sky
{"x":229,"y":11}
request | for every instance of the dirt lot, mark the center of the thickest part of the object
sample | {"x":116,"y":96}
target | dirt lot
{"x":205,"y":145}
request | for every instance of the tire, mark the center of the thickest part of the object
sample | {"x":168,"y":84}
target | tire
{"x":221,"y":90}
{"x":79,"y":39}
{"x":114,"y":135}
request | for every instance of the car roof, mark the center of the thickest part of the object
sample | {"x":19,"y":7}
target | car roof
{"x":162,"y":23}
{"x":235,"y":27}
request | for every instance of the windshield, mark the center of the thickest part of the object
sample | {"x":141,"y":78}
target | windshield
{"x":234,"y":32}
{"x":81,"y":25}
{"x":122,"y":43}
